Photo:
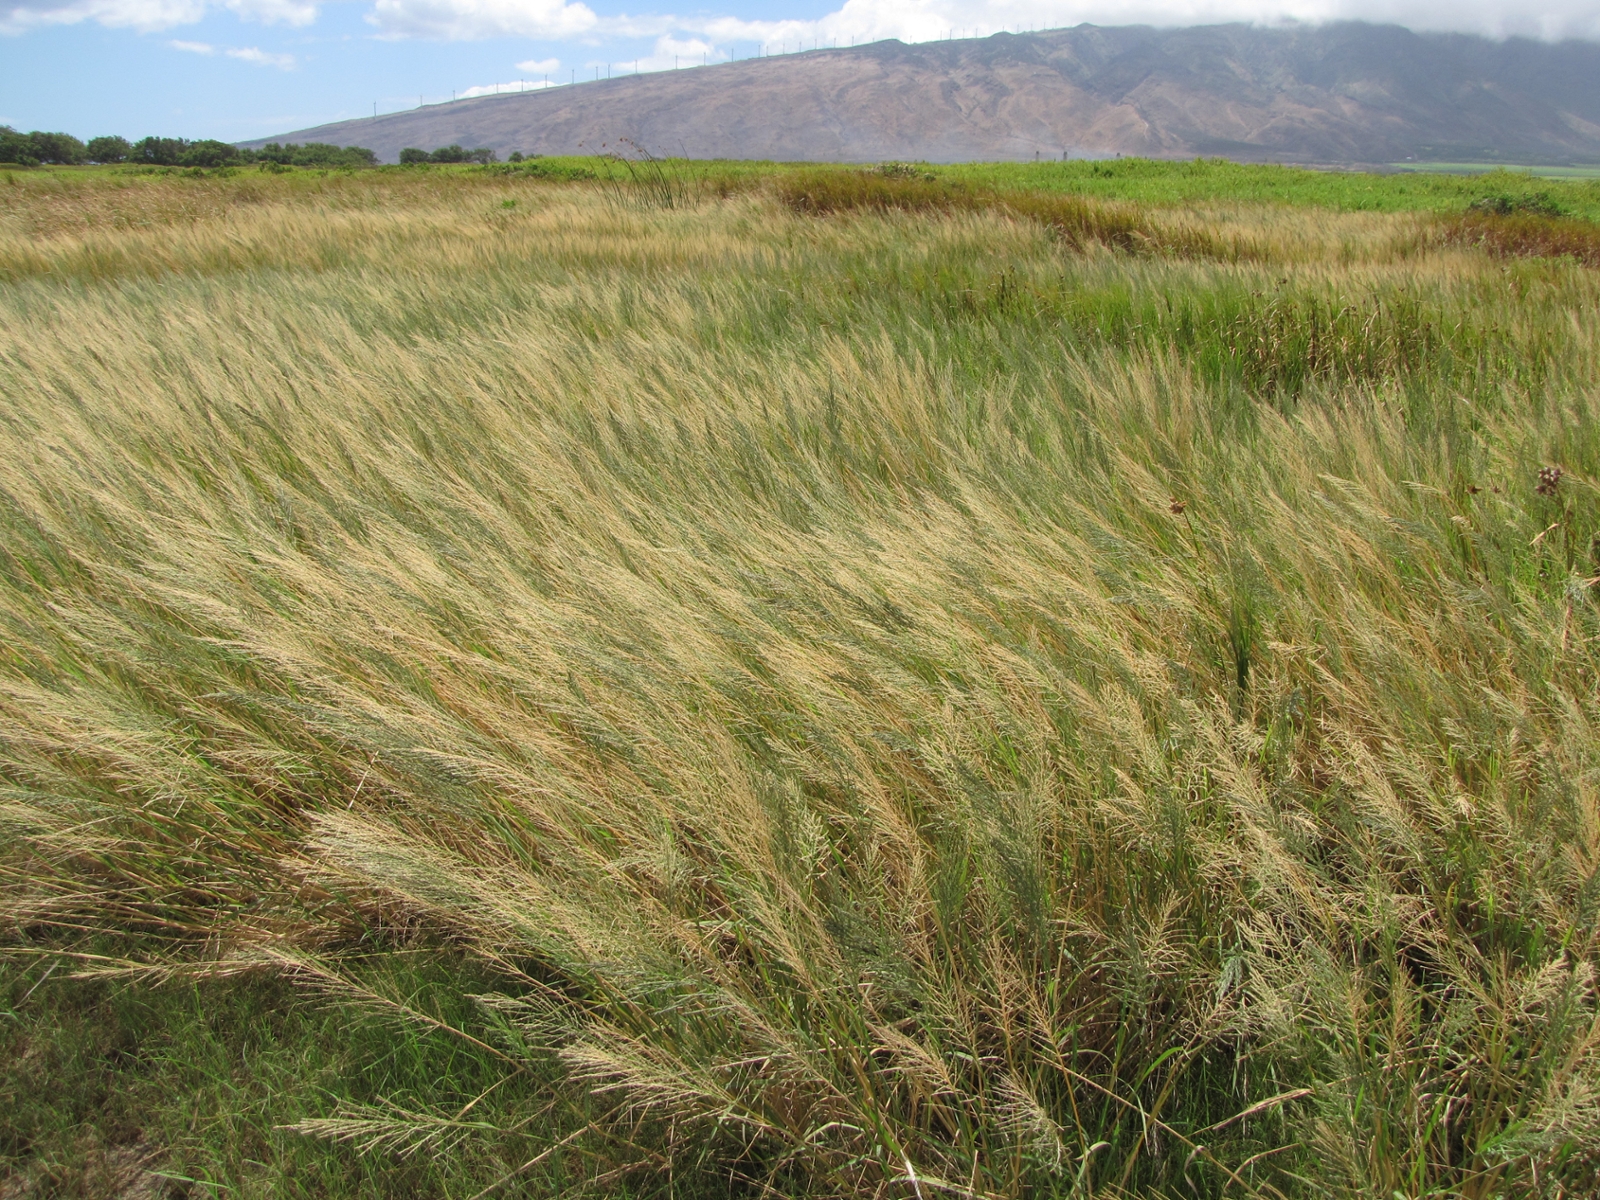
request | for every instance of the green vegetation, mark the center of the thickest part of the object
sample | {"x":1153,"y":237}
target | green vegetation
{"x":1213,"y":181}
{"x":312,"y":154}
{"x":452,"y":153}
{"x":115,"y":1089}
{"x":35,"y":149}
{"x":32,"y":149}
{"x":723,"y":679}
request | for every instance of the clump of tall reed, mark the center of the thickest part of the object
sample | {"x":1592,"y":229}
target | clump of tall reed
{"x":634,"y":177}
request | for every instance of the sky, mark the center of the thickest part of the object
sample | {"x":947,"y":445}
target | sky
{"x":239,"y":69}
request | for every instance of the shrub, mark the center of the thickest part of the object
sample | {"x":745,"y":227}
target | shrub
{"x":900,"y":170}
{"x":548,"y":170}
{"x":411,"y":156}
{"x":1538,"y":203}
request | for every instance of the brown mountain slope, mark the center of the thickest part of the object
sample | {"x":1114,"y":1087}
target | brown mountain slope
{"x":1346,"y":92}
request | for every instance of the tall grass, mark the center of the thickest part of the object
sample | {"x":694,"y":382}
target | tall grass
{"x":901,"y":705}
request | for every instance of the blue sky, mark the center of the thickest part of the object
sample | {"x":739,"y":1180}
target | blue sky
{"x":236,"y":69}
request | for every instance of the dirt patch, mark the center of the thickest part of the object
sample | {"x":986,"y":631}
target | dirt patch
{"x":101,"y":1173}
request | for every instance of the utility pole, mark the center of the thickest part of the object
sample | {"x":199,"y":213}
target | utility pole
{"x":374,"y":110}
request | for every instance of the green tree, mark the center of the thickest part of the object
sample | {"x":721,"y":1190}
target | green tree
{"x":411,"y":155}
{"x":17,"y":148}
{"x":208,"y":152}
{"x":57,"y":147}
{"x":317,"y":154}
{"x":31,"y":149}
{"x":158,"y":151}
{"x":110,"y":149}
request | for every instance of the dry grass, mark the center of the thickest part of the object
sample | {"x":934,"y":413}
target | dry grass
{"x":881,"y":744}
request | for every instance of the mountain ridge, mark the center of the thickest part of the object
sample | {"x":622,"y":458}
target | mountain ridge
{"x":1346,"y":92}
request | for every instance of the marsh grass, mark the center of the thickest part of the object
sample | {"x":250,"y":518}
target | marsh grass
{"x":1077,"y":221}
{"x":1528,"y":234}
{"x":878,"y":706}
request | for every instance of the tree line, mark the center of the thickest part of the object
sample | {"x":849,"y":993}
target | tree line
{"x":36,"y":148}
{"x":450,"y":154}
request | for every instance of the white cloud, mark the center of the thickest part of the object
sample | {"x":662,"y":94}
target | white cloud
{"x":272,"y":12}
{"x":143,"y":15}
{"x":284,"y":62}
{"x":927,"y":20}
{"x":458,"y":20}
{"x":671,"y":53}
{"x":855,"y":21}
{"x":506,"y":89}
{"x":540,"y":66}
{"x":146,"y":16}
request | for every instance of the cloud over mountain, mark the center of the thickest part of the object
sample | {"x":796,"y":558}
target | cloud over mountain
{"x":854,"y":21}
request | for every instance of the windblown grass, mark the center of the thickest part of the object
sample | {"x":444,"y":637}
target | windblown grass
{"x":906,"y":704}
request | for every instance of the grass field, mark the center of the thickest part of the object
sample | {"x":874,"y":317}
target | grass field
{"x":1073,"y":681}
